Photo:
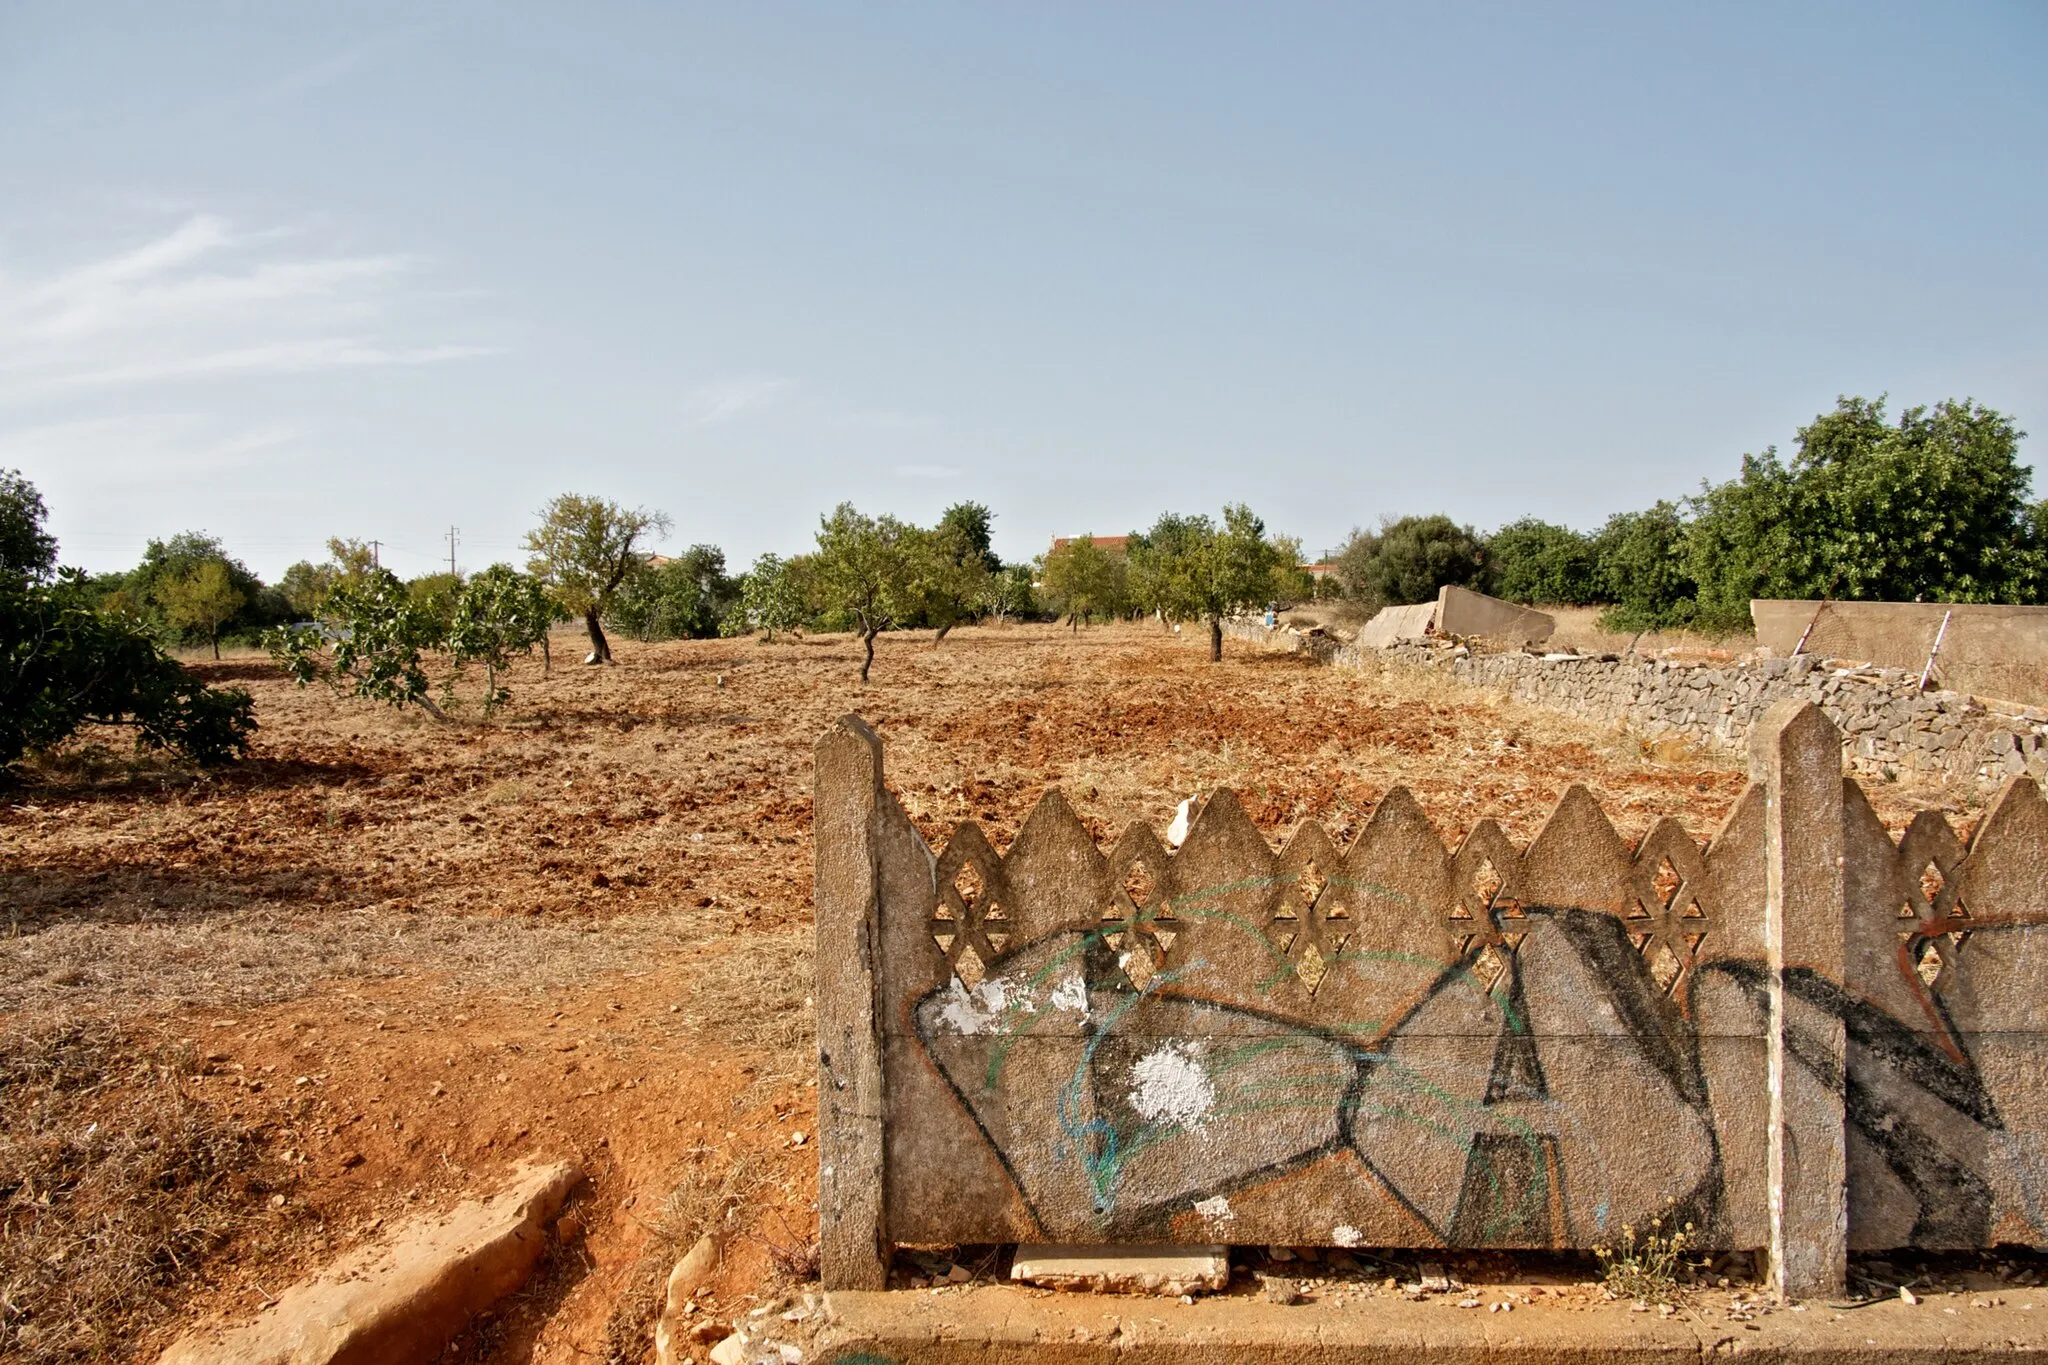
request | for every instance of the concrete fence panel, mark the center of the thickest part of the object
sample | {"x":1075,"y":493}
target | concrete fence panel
{"x":1798,"y":1037}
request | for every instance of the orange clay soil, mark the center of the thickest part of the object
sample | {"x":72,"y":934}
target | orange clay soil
{"x":405,"y":954}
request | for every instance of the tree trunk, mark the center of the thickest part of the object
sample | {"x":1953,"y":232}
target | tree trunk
{"x":943,"y":630}
{"x":867,"y":641}
{"x":547,"y":662}
{"x":216,"y":644}
{"x":1215,"y":640}
{"x":600,"y":648}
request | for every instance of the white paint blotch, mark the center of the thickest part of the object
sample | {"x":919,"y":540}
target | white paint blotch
{"x":1216,"y":1209}
{"x":1071,"y":994}
{"x":1172,"y":1087}
{"x":1344,"y":1235}
{"x":979,"y":1010}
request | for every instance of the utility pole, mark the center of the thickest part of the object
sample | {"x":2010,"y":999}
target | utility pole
{"x":451,"y":551}
{"x":375,"y":547}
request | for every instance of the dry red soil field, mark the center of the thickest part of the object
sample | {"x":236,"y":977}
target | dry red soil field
{"x":249,"y":1017}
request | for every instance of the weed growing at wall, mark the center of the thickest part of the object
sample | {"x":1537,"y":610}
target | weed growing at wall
{"x":1645,"y":1271}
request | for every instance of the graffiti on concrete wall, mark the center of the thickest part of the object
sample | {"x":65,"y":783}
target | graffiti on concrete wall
{"x":1403,"y":1044}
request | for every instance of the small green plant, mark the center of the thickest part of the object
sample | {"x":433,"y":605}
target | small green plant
{"x":1645,"y":1271}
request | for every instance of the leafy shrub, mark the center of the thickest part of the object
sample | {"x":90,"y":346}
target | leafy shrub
{"x":64,"y":664}
{"x":771,"y":599}
{"x":683,"y":599}
{"x":1535,"y":561}
{"x":1408,"y":559}
{"x":378,"y":632}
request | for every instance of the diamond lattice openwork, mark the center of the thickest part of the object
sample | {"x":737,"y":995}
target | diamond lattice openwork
{"x":969,"y":923}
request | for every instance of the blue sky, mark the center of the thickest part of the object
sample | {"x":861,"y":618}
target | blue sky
{"x":290,"y":271}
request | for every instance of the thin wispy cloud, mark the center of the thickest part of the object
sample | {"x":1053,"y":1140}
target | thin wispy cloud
{"x":925,"y":471}
{"x":726,"y":400}
{"x":147,"y":447}
{"x":205,"y":299}
{"x":303,"y":357}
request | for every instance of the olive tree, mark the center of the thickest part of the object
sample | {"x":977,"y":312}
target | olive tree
{"x":588,"y":548}
{"x":1082,"y":581}
{"x":862,"y":571}
{"x":1191,"y":569}
{"x":202,"y":599}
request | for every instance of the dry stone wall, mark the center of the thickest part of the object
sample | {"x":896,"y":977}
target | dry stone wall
{"x":1885,"y":720}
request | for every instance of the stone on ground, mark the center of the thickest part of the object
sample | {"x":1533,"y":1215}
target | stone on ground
{"x":403,"y":1298}
{"x":686,"y":1279}
{"x":1169,"y":1270}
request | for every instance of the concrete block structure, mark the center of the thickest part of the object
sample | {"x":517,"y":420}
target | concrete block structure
{"x":1987,"y":650}
{"x":1799,"y":1037}
{"x":1465,"y":614}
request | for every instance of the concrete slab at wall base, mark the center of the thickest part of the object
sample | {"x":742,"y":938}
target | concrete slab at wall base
{"x":1169,"y":1270}
{"x":402,"y":1299}
{"x":1004,"y":1326}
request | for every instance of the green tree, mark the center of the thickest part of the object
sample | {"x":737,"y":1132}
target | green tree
{"x":684,"y":599}
{"x":352,"y":559}
{"x":1934,"y":506}
{"x":1925,"y":508}
{"x":203,"y":599}
{"x":586,"y":549}
{"x":65,"y":665}
{"x":1292,"y":581}
{"x":861,"y":571}
{"x":1640,"y":559}
{"x":1535,"y":561}
{"x":381,"y":631}
{"x":771,"y":600}
{"x":969,"y":527}
{"x":1082,"y":582}
{"x":499,"y":612}
{"x":305,"y":585}
{"x":1007,"y":593}
{"x":1408,"y":559}
{"x":1748,"y":537}
{"x":1161,"y":557}
{"x":947,"y":569}
{"x":1190,"y":569}
{"x":436,"y":594}
{"x":144,"y":594}
{"x":27,"y":550}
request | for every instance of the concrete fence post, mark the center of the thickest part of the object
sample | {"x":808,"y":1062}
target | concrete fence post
{"x":1796,"y":753}
{"x":846,"y":801}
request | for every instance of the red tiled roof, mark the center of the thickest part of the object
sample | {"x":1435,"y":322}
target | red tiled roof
{"x":1118,"y":543}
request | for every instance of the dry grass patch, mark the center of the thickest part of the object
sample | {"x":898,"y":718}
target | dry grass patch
{"x":114,"y":1185}
{"x":713,"y":1192}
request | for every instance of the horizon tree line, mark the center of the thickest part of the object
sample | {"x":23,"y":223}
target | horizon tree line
{"x":1932,"y":505}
